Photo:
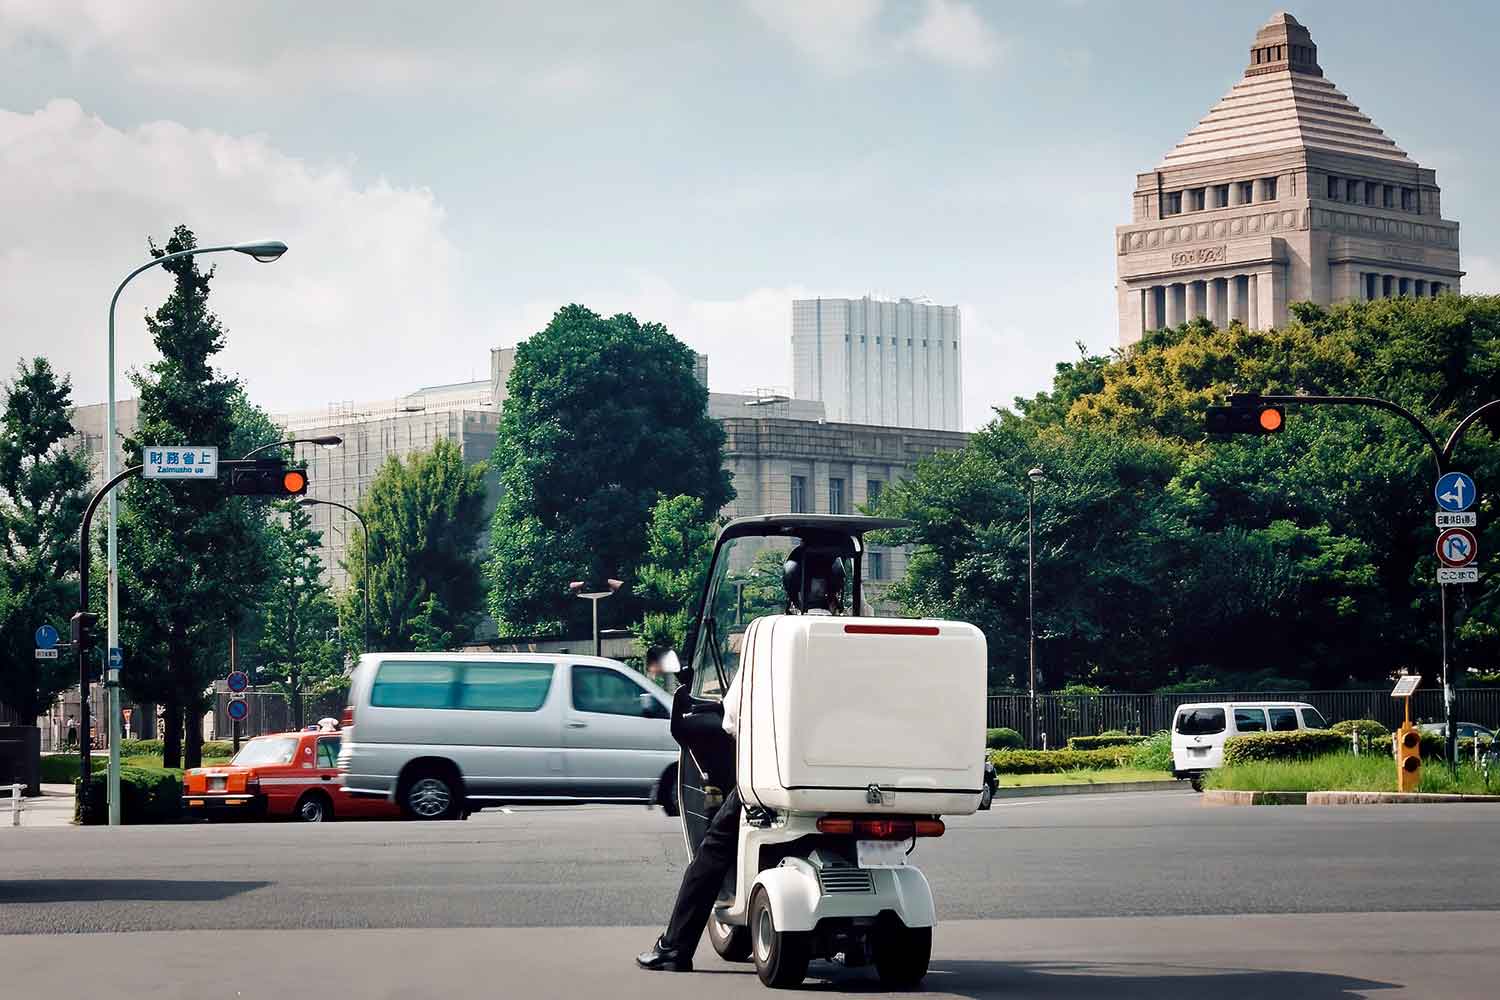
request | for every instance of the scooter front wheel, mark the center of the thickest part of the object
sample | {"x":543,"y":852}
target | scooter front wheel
{"x":781,"y":957}
{"x":730,"y":942}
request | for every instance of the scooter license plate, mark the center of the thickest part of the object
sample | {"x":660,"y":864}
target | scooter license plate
{"x":880,"y":853}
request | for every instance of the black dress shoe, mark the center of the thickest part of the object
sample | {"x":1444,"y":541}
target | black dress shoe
{"x":663,"y":959}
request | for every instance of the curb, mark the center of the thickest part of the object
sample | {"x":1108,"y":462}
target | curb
{"x":1222,"y":797}
{"x":1026,"y":791}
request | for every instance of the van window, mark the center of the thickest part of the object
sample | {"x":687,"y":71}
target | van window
{"x":1200,"y":721}
{"x":414,"y":685}
{"x":1250,"y":720}
{"x":1283,"y":720}
{"x":505,"y":687}
{"x":600,"y":689}
{"x":1313,"y":719}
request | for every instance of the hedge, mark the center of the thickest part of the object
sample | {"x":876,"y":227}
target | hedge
{"x":1003,"y":739}
{"x":1294,"y":745}
{"x":1052,"y":761}
{"x":152,"y":748}
{"x":1103,"y":740}
{"x":147,"y":795}
{"x":1369,"y":730}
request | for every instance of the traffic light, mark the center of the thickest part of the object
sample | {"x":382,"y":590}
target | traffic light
{"x":1408,"y":758}
{"x":268,"y":477}
{"x":1245,"y":414}
{"x":81,"y":631}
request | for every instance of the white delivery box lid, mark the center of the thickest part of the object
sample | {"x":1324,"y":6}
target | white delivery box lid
{"x":831,"y":706}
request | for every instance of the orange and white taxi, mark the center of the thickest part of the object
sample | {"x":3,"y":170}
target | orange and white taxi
{"x":285,"y":776}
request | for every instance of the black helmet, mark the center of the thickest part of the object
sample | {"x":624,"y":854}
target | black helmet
{"x":812,"y":580}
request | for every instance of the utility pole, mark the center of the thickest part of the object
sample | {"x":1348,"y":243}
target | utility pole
{"x":1033,"y":477}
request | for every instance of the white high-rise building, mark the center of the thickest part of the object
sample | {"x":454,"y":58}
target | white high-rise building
{"x":875,"y":361}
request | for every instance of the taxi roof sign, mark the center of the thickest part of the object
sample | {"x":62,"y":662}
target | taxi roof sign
{"x":1406,"y":685}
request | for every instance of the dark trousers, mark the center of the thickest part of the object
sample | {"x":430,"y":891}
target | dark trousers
{"x":705,"y":877}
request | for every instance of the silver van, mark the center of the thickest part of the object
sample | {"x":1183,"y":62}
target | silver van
{"x":444,"y":734}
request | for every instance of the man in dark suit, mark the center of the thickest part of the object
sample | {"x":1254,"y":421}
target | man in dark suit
{"x":814,"y":584}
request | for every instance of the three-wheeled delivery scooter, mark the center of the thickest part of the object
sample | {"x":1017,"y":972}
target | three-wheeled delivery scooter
{"x":856,"y":735}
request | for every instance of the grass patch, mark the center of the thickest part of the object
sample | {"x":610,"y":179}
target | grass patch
{"x":1345,"y":773}
{"x":1082,"y":776}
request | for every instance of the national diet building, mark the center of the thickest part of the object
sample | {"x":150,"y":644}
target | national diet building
{"x":1284,"y":192}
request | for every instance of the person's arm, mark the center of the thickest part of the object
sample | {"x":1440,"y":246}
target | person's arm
{"x":732,"y":705}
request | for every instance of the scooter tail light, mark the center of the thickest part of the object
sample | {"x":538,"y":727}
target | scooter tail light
{"x":930,"y":828}
{"x":835,"y":825}
{"x":881,"y":828}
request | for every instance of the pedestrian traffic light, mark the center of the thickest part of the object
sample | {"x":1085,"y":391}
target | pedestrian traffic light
{"x":1408,"y":758}
{"x":1245,"y":414}
{"x":268,"y":477}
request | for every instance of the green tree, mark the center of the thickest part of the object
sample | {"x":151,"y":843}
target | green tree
{"x":192,"y":558}
{"x":425,"y":517}
{"x":602,"y":417}
{"x":43,"y":492}
{"x":299,"y":652}
{"x":679,"y":544}
{"x":428,"y":634}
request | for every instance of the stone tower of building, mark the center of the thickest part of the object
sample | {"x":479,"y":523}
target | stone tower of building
{"x":1284,"y":192}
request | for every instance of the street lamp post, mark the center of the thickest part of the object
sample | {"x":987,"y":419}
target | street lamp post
{"x":1036,"y":475}
{"x":264,"y":251}
{"x":595,"y":596}
{"x":310,"y":502}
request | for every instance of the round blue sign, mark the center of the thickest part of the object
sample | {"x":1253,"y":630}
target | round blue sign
{"x":238,"y":709}
{"x":1455,"y":492}
{"x":237,"y":681}
{"x":46,"y":637}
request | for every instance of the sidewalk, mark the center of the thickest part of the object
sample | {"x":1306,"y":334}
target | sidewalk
{"x":54,"y":807}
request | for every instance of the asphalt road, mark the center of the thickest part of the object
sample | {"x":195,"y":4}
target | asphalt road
{"x":1102,"y":895}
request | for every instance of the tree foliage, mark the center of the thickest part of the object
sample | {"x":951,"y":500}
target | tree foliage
{"x":679,"y":544}
{"x":1166,"y":558}
{"x":193,"y":559}
{"x":425,"y":514}
{"x":43,"y":492}
{"x":298,"y":644}
{"x":603,"y":417}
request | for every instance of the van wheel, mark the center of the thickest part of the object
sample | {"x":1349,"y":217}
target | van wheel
{"x":1197,"y":781}
{"x":781,"y":957}
{"x":666,"y":793}
{"x":730,"y":942}
{"x":313,"y":807}
{"x":431,"y":793}
{"x":902,"y":954}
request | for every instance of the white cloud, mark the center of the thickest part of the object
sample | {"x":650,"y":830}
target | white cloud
{"x":954,"y":34}
{"x":841,"y":37}
{"x":1481,"y":276}
{"x":835,"y":35}
{"x":368,"y":264}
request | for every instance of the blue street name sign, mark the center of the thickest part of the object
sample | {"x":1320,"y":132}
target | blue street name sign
{"x":46,"y":637}
{"x":1455,"y":491}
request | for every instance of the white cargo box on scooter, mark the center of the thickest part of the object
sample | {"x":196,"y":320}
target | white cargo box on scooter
{"x":862,"y":715}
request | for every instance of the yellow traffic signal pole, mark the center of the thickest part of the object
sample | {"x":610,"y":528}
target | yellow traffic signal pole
{"x":1441,"y":454}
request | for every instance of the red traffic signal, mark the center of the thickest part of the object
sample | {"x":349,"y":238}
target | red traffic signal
{"x":1245,"y":415}
{"x":268,"y":477}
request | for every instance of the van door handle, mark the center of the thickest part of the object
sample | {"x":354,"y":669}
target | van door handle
{"x":578,"y":725}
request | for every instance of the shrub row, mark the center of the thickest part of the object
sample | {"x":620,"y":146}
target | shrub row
{"x":152,"y":748}
{"x":1003,"y":739}
{"x":1053,"y":761}
{"x":1302,"y":743}
{"x":1104,"y":740}
{"x":1369,"y":730}
{"x":147,"y":795}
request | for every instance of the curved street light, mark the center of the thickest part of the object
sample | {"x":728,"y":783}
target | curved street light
{"x":264,"y":251}
{"x":313,"y":502}
{"x":326,"y":439}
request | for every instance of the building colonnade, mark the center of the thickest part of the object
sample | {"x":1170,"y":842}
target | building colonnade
{"x":1221,"y":300}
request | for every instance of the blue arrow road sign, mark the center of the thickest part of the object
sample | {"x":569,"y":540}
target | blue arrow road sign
{"x":46,"y":637}
{"x":116,"y":658}
{"x":1455,"y":491}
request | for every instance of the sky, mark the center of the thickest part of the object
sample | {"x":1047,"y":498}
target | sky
{"x":448,"y":174}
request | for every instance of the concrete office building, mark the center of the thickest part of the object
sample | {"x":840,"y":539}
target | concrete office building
{"x":1285,"y":192}
{"x":879,"y":362}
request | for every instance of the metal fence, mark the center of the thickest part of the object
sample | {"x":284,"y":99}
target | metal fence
{"x":271,"y":712}
{"x":1064,"y":716}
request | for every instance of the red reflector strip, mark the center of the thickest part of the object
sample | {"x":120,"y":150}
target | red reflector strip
{"x":891,"y":629}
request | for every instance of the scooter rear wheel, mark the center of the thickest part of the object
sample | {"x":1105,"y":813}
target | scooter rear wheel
{"x":730,"y":942}
{"x":902,"y":954}
{"x":781,"y":957}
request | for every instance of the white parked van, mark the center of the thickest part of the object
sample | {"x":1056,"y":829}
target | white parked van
{"x":1199,"y":730}
{"x":442,"y":734}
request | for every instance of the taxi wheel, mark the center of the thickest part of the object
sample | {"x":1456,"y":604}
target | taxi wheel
{"x":314,"y":807}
